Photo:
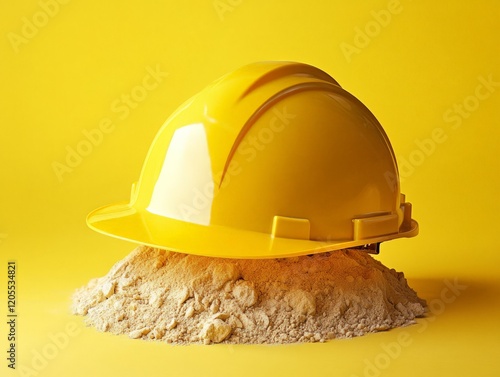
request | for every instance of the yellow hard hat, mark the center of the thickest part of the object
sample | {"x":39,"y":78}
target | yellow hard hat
{"x":272,"y":160}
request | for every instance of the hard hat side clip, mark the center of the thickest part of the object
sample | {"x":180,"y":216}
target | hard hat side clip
{"x":372,"y":248}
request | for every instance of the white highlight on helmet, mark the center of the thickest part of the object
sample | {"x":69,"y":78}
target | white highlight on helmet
{"x":187,"y":198}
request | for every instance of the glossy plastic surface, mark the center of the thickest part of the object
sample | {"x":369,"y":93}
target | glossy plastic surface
{"x":272,"y":160}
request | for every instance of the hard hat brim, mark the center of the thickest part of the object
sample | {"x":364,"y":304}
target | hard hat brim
{"x":125,"y":222}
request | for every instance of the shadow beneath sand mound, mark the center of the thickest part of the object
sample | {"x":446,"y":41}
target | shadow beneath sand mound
{"x":450,"y":294}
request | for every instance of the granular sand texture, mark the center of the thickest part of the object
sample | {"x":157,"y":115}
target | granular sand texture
{"x":183,"y":299}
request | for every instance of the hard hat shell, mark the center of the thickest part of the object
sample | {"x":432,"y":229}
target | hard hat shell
{"x":272,"y":160}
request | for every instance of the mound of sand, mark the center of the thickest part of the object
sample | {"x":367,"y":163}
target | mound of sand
{"x":182,"y":299}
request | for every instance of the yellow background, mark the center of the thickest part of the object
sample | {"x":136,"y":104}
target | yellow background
{"x":413,"y":63}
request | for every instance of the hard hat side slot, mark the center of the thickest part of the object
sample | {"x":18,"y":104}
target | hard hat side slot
{"x":375,"y":226}
{"x":406,"y":208}
{"x":291,"y":227}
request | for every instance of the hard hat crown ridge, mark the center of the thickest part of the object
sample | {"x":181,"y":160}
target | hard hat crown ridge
{"x":272,"y":160}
